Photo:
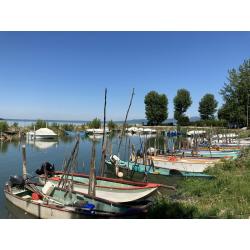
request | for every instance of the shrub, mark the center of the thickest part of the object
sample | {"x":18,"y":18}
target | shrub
{"x":96,"y":123}
{"x":3,"y":126}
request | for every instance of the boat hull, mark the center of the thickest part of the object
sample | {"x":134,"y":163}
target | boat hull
{"x":112,"y":191}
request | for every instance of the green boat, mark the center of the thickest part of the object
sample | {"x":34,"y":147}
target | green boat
{"x":150,"y":170}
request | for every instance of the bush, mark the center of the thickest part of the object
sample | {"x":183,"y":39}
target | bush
{"x":96,"y":123}
{"x":39,"y":124}
{"x":111,"y":125}
{"x":3,"y":126}
{"x":68,"y":127}
{"x":209,"y":123}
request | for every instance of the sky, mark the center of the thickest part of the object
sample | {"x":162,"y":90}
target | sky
{"x":63,"y":75}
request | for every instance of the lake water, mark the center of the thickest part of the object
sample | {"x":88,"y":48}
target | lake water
{"x":54,"y":152}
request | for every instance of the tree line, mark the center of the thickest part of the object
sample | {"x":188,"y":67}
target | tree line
{"x":233,"y":112}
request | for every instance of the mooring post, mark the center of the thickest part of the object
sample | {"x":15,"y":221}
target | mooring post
{"x":24,"y":162}
{"x":92,"y":176}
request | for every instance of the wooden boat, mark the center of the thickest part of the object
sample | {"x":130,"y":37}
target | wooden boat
{"x":205,"y":153}
{"x":193,"y":165}
{"x":157,"y":171}
{"x":114,"y":190}
{"x":62,"y":204}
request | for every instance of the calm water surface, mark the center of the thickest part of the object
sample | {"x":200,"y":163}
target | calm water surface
{"x":54,"y":152}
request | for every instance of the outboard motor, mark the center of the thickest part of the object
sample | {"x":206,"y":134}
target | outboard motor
{"x":16,"y":181}
{"x":46,"y":166}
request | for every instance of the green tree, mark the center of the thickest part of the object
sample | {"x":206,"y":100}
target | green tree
{"x":3,"y":126}
{"x":95,"y":123}
{"x":156,"y":107}
{"x":207,"y":107}
{"x":235,"y":94}
{"x":182,"y":102}
{"x":111,"y":125}
{"x":39,"y":124}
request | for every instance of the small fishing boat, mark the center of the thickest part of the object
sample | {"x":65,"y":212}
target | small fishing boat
{"x":206,"y":153}
{"x":193,"y":165}
{"x":153,"y":170}
{"x":50,"y":202}
{"x":114,"y":190}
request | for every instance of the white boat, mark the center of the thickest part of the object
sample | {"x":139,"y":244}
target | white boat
{"x":97,"y":131}
{"x":183,"y":164}
{"x":224,"y":136}
{"x":114,"y":190}
{"x":196,"y":132}
{"x":42,"y":134}
{"x":136,"y":130}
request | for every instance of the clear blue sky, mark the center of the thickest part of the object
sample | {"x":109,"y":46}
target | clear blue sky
{"x":62,"y":75}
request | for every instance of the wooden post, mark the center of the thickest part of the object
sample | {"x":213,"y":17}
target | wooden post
{"x":92,"y":177}
{"x":155,"y":147}
{"x":24,"y":162}
{"x":104,"y":141}
{"x":110,"y":147}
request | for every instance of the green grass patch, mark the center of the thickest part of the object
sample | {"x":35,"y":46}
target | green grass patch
{"x":225,"y":196}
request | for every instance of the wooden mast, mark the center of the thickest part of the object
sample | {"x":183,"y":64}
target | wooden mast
{"x":104,"y":142}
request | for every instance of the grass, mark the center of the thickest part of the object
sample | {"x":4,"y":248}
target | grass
{"x":226,"y":196}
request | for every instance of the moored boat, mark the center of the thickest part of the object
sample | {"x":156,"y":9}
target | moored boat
{"x":114,"y":190}
{"x":206,"y":153}
{"x":62,"y":204}
{"x":194,"y":165}
{"x":153,"y":170}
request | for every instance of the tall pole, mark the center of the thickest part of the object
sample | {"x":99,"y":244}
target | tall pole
{"x":104,"y":141}
{"x":125,"y":121}
{"x":24,"y":162}
{"x":92,"y":176}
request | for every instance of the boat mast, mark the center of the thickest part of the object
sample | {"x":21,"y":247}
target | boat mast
{"x":104,"y":137}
